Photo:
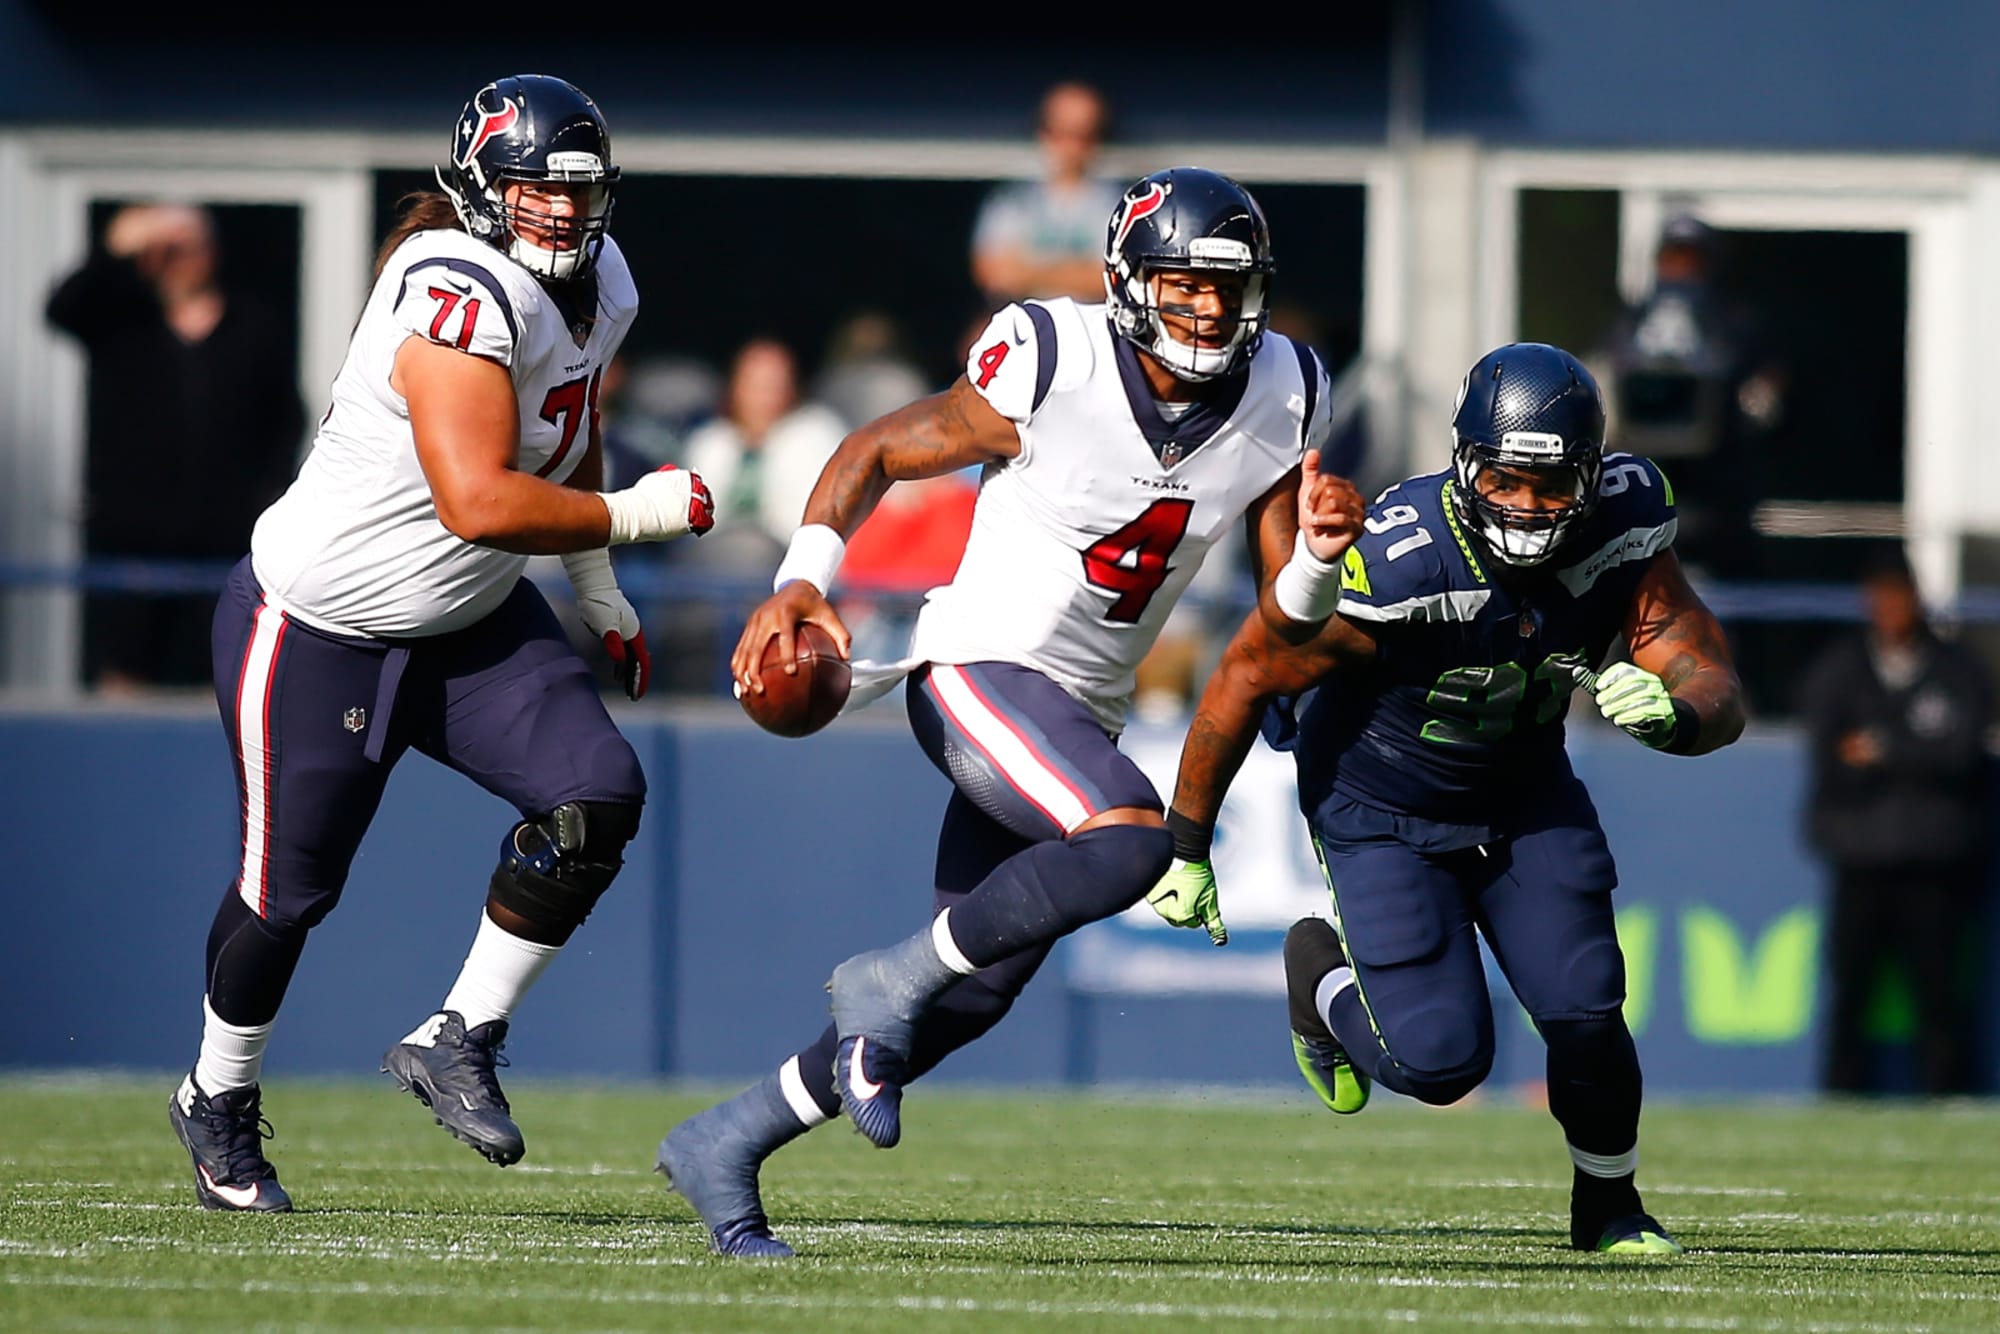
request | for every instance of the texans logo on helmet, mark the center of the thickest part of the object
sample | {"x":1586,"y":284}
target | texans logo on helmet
{"x":1144,"y":206}
{"x":490,"y":124}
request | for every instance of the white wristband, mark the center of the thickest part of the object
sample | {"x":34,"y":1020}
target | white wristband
{"x":1308,"y":588}
{"x":813,"y":556}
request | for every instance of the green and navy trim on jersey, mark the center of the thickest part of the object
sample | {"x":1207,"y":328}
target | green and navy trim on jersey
{"x":1463,"y":714}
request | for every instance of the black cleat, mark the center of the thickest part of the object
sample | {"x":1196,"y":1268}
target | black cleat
{"x":225,"y":1135}
{"x":450,"y":1070}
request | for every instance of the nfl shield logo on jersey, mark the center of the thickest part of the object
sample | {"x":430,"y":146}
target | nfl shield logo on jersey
{"x":354,"y":719}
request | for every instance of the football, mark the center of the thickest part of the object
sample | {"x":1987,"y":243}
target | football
{"x":801,"y":704}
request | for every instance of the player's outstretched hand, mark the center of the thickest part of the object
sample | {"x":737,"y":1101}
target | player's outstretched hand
{"x":1636,"y":700}
{"x":1330,"y":511}
{"x":1186,"y":896}
{"x":780,"y":614}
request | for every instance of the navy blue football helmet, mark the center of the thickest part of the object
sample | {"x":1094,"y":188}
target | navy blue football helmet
{"x":532,"y":129}
{"x":1187,"y":219}
{"x":1527,"y":412}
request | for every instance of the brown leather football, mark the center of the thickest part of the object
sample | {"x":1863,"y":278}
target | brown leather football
{"x":802,"y":703}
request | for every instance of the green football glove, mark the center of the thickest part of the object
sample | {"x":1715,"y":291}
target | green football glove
{"x":1636,"y":700}
{"x":1186,"y":896}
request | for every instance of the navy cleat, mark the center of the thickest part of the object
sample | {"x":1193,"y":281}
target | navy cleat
{"x":870,"y":1079}
{"x":877,"y":997}
{"x":1312,"y":950}
{"x":224,"y":1136}
{"x":1631,"y":1234}
{"x":712,"y":1162}
{"x":450,"y":1070}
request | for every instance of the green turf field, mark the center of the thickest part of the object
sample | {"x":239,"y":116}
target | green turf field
{"x":998,"y":1213}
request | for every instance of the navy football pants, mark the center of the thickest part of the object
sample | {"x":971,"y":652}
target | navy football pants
{"x":1420,"y":1019}
{"x":316,"y":722}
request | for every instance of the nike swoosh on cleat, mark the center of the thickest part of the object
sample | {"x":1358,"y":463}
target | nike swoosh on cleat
{"x":240,"y":1196}
{"x":857,"y":1078}
{"x":468,"y":1103}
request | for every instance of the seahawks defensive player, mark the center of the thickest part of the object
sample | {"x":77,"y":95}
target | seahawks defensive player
{"x":1427,"y":723}
{"x":1119,"y":443}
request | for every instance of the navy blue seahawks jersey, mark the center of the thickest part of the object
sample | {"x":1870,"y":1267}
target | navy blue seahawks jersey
{"x":1462,"y":714}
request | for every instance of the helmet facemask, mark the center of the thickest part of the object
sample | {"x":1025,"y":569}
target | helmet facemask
{"x":572,"y":239}
{"x":568,"y":243}
{"x":1140,"y":313}
{"x":1521,"y":535}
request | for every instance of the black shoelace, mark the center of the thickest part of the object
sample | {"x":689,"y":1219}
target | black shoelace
{"x":243,"y":1134}
{"x":483,"y":1057}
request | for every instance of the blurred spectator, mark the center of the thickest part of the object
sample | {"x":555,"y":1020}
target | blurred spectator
{"x":674,"y":393}
{"x":636,"y":441}
{"x":762,"y":454}
{"x":909,"y":545}
{"x":1694,"y":383}
{"x":1897,"y":719}
{"x":194,"y":427}
{"x":760,"y":457}
{"x":1045,"y":237}
{"x":867,"y":373}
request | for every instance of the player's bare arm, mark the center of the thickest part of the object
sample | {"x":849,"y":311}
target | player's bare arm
{"x":1298,"y":531}
{"x":1674,"y":636}
{"x":1258,"y":666}
{"x":588,"y":475}
{"x":468,"y":432}
{"x":929,"y":438}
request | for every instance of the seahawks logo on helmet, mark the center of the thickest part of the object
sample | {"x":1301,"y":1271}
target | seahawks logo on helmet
{"x":532,"y":130}
{"x":1187,"y":220}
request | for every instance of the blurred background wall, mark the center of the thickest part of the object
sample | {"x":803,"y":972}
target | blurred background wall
{"x":1441,"y":177}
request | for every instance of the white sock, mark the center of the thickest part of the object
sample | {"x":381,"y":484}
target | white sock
{"x":947,"y":948}
{"x":231,"y":1057}
{"x":793,"y":1085}
{"x":497,"y":973}
{"x":1608,"y":1166}
{"x":1335,"y":982}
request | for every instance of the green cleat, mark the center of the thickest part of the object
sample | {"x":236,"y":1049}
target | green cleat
{"x":1636,"y":1234}
{"x":1312,"y":950}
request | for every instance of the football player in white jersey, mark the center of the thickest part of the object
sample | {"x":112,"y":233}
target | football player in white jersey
{"x":382,"y":608}
{"x":1119,"y":442}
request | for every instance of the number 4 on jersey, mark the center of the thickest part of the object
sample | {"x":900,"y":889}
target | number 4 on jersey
{"x":1132,"y":562}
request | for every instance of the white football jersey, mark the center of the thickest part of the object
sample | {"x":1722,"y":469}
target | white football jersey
{"x":1082,"y":543}
{"x":355,"y":545}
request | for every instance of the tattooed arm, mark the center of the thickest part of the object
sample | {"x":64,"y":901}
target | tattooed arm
{"x":1256,"y":668}
{"x":929,"y":438}
{"x":1676,"y":638}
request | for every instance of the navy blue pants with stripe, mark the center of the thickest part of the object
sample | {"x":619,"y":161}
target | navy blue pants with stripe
{"x":1029,"y":763}
{"x":316,"y":722}
{"x":1420,"y":1018}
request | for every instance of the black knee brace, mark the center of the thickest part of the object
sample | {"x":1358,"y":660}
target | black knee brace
{"x":553,"y":870}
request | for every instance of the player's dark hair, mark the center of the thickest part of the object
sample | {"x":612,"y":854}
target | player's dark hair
{"x":417,"y":211}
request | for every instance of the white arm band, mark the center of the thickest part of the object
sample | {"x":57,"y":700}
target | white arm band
{"x":813,"y":556}
{"x":1307,"y":589}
